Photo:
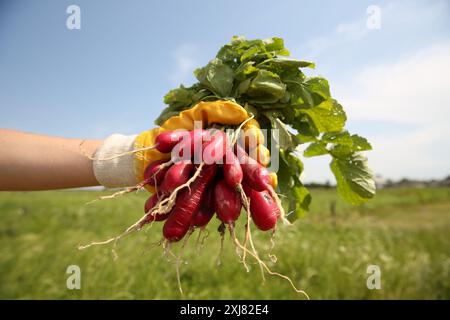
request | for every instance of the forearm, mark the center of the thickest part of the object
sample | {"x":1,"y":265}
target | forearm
{"x":38,"y":162}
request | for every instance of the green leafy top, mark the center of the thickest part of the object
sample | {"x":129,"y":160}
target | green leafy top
{"x":260,"y":76}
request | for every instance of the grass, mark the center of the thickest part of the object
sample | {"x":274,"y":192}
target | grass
{"x":405,"y":232}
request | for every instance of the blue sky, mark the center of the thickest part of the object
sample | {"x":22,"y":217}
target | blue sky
{"x":111,"y":75}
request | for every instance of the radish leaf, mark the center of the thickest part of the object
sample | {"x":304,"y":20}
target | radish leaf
{"x":259,"y":75}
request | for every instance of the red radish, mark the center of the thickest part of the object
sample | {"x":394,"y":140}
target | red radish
{"x":167,"y":140}
{"x":206,"y":211}
{"x":232,"y":170}
{"x":153,"y":174}
{"x":215,"y":148}
{"x":177,"y":175}
{"x":255,"y":174}
{"x":197,"y":137}
{"x":227,"y":202}
{"x":149,"y":205}
{"x":151,"y":202}
{"x":187,"y":203}
{"x":264,"y":209}
{"x":189,"y":146}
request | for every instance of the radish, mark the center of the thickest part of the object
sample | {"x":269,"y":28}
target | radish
{"x":190,"y":145}
{"x":187,"y":203}
{"x":155,"y":172}
{"x":151,"y":202}
{"x":215,"y":147}
{"x":232,"y":170}
{"x":255,"y":174}
{"x":227,"y":202}
{"x":149,"y":205}
{"x":233,"y":175}
{"x":167,"y":204}
{"x":198,"y":136}
{"x":206,"y":211}
{"x":260,"y":179}
{"x":264,"y":209}
{"x":176,"y":175}
{"x":167,"y":140}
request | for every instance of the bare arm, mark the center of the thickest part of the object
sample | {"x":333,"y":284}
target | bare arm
{"x":38,"y":162}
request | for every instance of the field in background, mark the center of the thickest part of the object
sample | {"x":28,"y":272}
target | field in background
{"x":406,"y":232}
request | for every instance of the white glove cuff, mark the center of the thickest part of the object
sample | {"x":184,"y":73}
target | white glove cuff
{"x":117,"y":172}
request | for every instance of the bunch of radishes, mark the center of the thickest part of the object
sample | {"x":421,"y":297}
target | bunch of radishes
{"x":207,"y":174}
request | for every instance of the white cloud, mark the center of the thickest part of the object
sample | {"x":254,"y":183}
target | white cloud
{"x":185,"y":62}
{"x":422,"y":154}
{"x":398,"y":18}
{"x":345,"y":32}
{"x":413,"y":92}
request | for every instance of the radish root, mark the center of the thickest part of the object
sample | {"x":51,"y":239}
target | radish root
{"x":153,"y":245}
{"x":272,"y":257}
{"x":134,"y":227}
{"x":138,"y":224}
{"x":197,"y":242}
{"x":265,"y":267}
{"x":222,"y":238}
{"x":137,"y":187}
{"x":177,"y":264}
{"x":280,"y":206}
{"x":246,"y":203}
{"x":239,"y":129}
{"x":115,"y":156}
{"x":248,"y":233}
{"x":203,"y":234}
{"x":179,"y":257}
{"x":202,"y":242}
{"x":117,"y":238}
{"x":167,"y":204}
{"x":236,"y":248}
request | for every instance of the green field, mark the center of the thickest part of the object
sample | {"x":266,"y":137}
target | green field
{"x":406,"y":232}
